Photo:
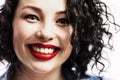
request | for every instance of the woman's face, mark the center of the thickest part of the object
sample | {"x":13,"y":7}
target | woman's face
{"x":41,"y":34}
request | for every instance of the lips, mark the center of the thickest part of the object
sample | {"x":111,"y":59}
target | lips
{"x":43,"y":51}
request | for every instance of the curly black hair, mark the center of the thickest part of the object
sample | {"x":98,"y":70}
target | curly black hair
{"x":86,"y":17}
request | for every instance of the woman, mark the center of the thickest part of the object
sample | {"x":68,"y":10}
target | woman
{"x":51,"y":39}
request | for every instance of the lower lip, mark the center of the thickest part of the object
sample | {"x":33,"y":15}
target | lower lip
{"x":42,"y":56}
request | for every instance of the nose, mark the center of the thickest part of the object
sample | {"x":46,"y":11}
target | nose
{"x":45,"y":34}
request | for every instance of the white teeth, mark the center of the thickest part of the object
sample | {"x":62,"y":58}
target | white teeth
{"x":43,"y":50}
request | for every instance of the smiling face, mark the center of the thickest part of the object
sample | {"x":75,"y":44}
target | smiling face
{"x":41,"y":34}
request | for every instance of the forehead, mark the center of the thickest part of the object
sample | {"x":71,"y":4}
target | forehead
{"x":52,"y":5}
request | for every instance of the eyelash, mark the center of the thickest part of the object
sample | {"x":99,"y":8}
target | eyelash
{"x":62,"y":22}
{"x":32,"y":18}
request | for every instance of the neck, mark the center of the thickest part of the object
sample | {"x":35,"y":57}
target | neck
{"x":30,"y":75}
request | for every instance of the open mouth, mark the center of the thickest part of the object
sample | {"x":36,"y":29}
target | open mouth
{"x":43,"y":51}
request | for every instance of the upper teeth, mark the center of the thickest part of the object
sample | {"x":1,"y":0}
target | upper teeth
{"x":43,"y":50}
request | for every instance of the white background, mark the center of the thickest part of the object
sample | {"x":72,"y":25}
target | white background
{"x":114,"y":56}
{"x":113,"y":71}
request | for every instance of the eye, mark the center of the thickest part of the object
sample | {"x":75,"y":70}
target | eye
{"x":62,"y":22}
{"x":32,"y":18}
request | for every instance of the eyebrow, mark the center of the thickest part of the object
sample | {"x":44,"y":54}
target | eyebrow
{"x":39,"y":10}
{"x":61,"y":12}
{"x":33,"y":8}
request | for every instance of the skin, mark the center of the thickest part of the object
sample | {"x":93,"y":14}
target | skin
{"x":39,"y":21}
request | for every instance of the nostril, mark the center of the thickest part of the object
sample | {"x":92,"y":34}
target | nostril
{"x":44,"y":36}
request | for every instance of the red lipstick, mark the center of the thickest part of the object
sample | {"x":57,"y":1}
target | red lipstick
{"x":43,"y":51}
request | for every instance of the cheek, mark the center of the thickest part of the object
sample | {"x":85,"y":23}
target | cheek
{"x":22,"y":30}
{"x":20,"y":34}
{"x":18,"y":38}
{"x":67,"y":36}
{"x":67,"y":46}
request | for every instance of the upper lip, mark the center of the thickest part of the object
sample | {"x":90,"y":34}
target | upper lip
{"x":44,"y":45}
